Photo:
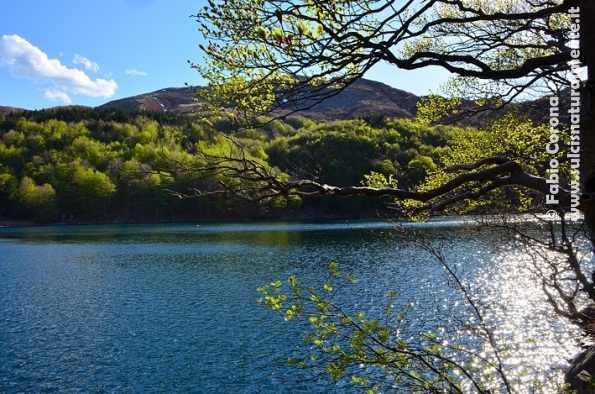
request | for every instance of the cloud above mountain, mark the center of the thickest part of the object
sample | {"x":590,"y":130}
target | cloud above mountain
{"x":88,"y":64}
{"x":135,"y":73}
{"x":57,"y":95}
{"x":25,"y":60}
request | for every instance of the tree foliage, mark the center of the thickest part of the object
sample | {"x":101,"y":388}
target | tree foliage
{"x":83,"y":164}
{"x":103,"y":169}
{"x":265,"y":55}
{"x":278,"y":57}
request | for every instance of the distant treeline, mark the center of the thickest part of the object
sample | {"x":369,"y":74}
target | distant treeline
{"x":104,"y":164}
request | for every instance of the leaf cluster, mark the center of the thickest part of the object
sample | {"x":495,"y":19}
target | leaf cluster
{"x":376,"y":353}
{"x":264,"y":56}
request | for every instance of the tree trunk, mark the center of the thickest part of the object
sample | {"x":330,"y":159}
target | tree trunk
{"x":587,"y":121}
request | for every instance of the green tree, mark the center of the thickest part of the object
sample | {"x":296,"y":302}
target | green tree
{"x":12,"y":157}
{"x":264,"y":56}
{"x":267,"y":56}
{"x":94,"y":190}
{"x":82,"y":190}
{"x":144,"y":192}
{"x":38,"y":201}
{"x":8,"y":195}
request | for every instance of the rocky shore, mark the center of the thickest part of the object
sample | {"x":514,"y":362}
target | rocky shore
{"x":581,"y":373}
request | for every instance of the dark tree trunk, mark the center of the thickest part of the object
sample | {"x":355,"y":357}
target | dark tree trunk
{"x":587,"y":122}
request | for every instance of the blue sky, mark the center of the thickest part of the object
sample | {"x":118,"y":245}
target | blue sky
{"x":88,"y":52}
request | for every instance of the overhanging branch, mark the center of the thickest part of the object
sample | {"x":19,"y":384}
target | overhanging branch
{"x":253,"y":181}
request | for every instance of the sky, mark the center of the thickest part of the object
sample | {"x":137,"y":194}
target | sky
{"x":89,"y":52}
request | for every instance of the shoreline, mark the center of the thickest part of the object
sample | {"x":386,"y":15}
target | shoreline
{"x":6,"y":223}
{"x":16,"y":223}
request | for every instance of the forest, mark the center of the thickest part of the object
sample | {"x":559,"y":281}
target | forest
{"x":80,"y":164}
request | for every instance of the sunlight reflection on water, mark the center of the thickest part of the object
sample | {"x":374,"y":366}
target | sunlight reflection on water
{"x":520,"y":319}
{"x":536,"y":342}
{"x":172,"y":307}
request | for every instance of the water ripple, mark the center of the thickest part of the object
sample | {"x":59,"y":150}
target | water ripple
{"x":171,"y":308}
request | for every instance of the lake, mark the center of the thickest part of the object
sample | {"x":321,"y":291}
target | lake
{"x":172,"y":308}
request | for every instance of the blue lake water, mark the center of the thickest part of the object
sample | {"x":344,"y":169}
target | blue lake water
{"x":172,"y":308}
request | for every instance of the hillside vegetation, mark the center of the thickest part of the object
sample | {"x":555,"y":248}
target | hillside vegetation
{"x":82,"y":164}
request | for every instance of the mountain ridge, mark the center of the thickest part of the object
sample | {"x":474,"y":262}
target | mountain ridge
{"x":363,"y":98}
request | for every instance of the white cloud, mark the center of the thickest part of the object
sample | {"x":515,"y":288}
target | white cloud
{"x":57,"y":95}
{"x":27,"y":61}
{"x":88,"y":64}
{"x":135,"y":73}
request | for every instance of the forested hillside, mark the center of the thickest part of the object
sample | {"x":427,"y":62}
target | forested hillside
{"x":81,"y":164}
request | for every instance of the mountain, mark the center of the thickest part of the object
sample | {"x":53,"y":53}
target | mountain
{"x":6,"y":110}
{"x":363,"y":98}
{"x":169,"y":99}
